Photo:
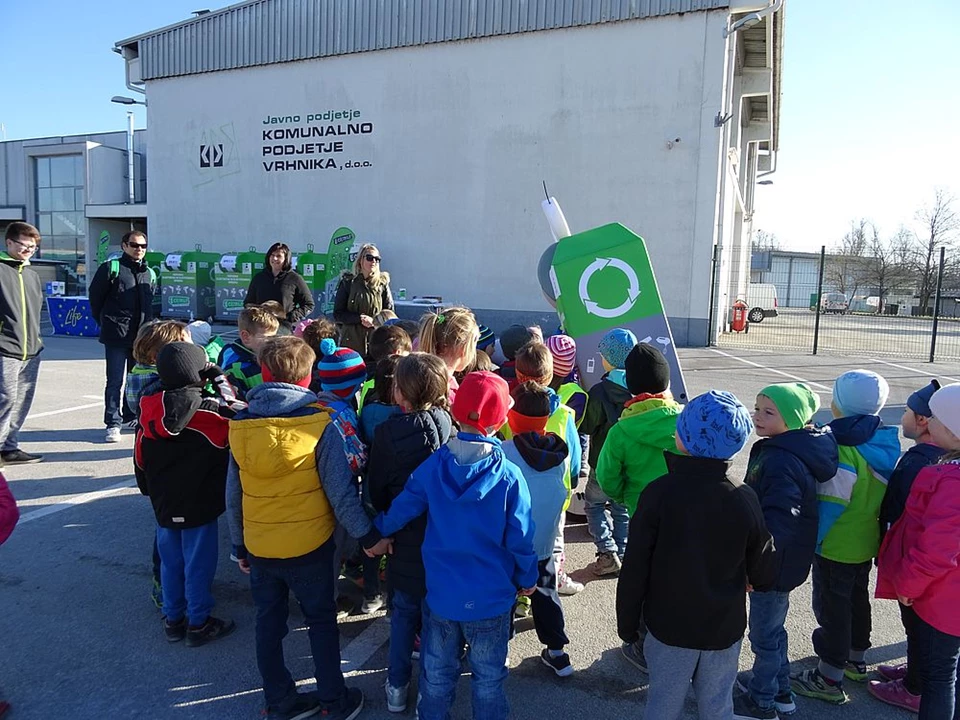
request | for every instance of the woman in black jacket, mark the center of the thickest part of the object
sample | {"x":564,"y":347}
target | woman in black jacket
{"x":279,"y":281}
{"x":361,"y":296}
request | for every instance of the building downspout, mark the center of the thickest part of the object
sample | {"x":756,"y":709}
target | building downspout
{"x":131,"y":185}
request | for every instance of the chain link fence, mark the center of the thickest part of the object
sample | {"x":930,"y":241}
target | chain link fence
{"x":893,"y":324}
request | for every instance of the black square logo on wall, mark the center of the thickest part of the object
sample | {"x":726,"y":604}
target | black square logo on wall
{"x":211,"y":155}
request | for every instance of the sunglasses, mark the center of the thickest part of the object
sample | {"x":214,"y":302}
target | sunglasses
{"x":138,"y":246}
{"x":372,"y":258}
{"x":25,"y":246}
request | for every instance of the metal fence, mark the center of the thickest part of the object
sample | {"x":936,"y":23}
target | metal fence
{"x":883,"y":327}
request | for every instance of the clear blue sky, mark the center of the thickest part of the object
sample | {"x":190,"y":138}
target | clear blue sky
{"x":868,"y":124}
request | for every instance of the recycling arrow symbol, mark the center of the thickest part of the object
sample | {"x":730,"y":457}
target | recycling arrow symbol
{"x":633,"y":291}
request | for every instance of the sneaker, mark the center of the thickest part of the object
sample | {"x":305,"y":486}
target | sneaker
{"x":130,"y":426}
{"x":856,"y":671}
{"x":892,"y":672}
{"x":634,"y":654}
{"x":784,"y":703}
{"x":560,"y":664}
{"x":212,"y":629}
{"x":113,"y":435}
{"x":894,"y":693}
{"x":346,"y":708}
{"x":156,"y":594}
{"x":607,"y":564}
{"x":811,"y":684}
{"x":524,"y":608}
{"x":175,"y":632}
{"x":396,"y":697}
{"x":344,"y":607}
{"x":372,"y":604}
{"x":415,"y":655}
{"x":569,"y":586}
{"x":746,"y":708}
{"x":303,"y":705}
{"x":19,"y":457}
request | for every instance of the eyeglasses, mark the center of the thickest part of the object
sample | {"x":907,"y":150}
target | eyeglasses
{"x":138,"y":246}
{"x":372,"y":258}
{"x":26,"y":246}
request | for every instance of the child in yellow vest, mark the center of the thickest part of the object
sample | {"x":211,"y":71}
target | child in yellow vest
{"x":288,"y":484}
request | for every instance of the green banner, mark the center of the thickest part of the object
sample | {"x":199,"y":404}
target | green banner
{"x":103,"y":247}
{"x":338,"y":260}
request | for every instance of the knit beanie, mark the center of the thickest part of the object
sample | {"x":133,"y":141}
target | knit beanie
{"x":647,"y":370}
{"x":486,"y":339}
{"x":616,"y":345}
{"x":860,"y":392}
{"x":795,"y":402}
{"x":179,"y":365}
{"x":945,"y":405}
{"x":514,"y":338}
{"x":564,"y":351}
{"x":341,"y":370}
{"x":714,"y":425}
{"x":919,"y":401}
{"x":200,"y":332}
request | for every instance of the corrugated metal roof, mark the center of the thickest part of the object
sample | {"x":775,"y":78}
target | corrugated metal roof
{"x":262,"y":32}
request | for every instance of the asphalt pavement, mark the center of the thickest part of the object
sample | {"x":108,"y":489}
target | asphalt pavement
{"x":82,"y":640}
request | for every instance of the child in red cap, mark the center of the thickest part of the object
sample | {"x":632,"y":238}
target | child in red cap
{"x":478,"y":551}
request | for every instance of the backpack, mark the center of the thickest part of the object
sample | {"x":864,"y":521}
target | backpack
{"x":115,"y":272}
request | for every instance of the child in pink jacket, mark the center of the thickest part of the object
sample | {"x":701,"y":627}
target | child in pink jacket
{"x":9,"y":515}
{"x":919,"y":564}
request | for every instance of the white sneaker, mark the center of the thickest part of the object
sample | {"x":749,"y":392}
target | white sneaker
{"x":372,"y":605}
{"x":113,"y":435}
{"x":569,"y":586}
{"x":396,"y":697}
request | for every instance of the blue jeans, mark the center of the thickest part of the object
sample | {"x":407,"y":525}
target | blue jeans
{"x":188,"y":563}
{"x":768,"y":639}
{"x":311,"y":584}
{"x":119,"y":363}
{"x":440,"y":646}
{"x":405,"y":620}
{"x":595,"y":505}
{"x":937,"y":654}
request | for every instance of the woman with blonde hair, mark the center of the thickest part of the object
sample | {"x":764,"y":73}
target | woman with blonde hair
{"x":362,"y":296}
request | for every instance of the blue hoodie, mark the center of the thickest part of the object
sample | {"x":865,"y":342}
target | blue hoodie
{"x":478,"y":548}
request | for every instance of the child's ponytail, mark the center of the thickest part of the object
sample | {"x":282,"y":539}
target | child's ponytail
{"x":450,"y":334}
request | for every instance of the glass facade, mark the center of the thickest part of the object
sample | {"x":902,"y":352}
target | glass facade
{"x":60,"y":186}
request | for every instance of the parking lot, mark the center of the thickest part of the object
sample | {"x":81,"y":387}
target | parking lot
{"x":83,"y":641}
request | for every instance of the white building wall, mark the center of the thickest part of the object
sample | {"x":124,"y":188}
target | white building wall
{"x":463,"y":134}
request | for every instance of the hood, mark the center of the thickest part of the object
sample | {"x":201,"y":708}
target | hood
{"x":7,"y":258}
{"x":814,"y":447}
{"x":169,"y":412}
{"x":275,"y":399}
{"x":541,"y":452}
{"x":470,"y":470}
{"x":657,"y":407}
{"x":879,"y":444}
{"x":616,"y":393}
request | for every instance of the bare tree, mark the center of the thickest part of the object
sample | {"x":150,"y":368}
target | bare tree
{"x":764,"y":241}
{"x":886,"y":266}
{"x":939,"y":223}
{"x":845,"y":264}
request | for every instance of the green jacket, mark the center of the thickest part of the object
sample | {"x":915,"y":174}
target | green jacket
{"x":632,"y":456}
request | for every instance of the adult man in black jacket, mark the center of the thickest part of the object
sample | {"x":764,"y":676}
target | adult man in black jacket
{"x":121,"y":301}
{"x":20,"y":343}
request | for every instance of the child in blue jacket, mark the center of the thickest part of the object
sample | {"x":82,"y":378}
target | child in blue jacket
{"x":477,"y":551}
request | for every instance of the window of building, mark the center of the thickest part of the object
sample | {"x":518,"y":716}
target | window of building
{"x":60,"y":185}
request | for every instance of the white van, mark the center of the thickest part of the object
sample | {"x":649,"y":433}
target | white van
{"x":834,"y":302}
{"x":762,"y":301}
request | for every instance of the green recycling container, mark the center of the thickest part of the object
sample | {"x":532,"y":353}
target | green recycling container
{"x":186,"y":282}
{"x":154,"y":260}
{"x":313,"y":269}
{"x":231,"y":280}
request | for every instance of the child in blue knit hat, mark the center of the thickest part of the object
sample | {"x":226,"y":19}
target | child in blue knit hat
{"x":849,"y":535}
{"x":697,"y":542}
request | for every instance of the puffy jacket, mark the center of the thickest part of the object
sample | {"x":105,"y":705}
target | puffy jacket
{"x":355,"y":297}
{"x":287,"y":288}
{"x":632,"y":456}
{"x":604,"y":408}
{"x":920,"y":557}
{"x":21,"y":300}
{"x":898,"y":489}
{"x":121,"y":304}
{"x":784,"y":472}
{"x":850,"y":501}
{"x":478,"y":548}
{"x":9,"y":514}
{"x":400,"y":445}
{"x":541,"y":459}
{"x":374,"y":414}
{"x":180,"y":456}
{"x":241,"y":367}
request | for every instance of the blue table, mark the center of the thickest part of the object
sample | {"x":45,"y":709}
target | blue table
{"x":72,"y":316}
